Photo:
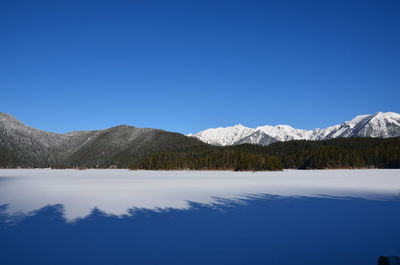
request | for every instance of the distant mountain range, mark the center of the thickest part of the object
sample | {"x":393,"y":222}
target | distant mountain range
{"x":378,"y":125}
{"x":127,"y":146}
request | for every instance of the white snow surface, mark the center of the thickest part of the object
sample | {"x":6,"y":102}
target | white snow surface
{"x":380,"y":124}
{"x":116,"y":191}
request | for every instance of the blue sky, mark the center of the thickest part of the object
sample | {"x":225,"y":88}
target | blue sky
{"x":190,"y":65}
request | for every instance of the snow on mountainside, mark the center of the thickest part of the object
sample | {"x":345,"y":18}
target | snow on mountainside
{"x":224,"y":136}
{"x":285,"y":132}
{"x":258,"y":137}
{"x":382,"y":125}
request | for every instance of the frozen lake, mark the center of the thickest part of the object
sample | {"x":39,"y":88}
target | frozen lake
{"x":116,"y":191}
{"x":198,"y":217}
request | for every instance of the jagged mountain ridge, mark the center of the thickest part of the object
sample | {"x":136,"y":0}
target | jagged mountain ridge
{"x":380,"y":125}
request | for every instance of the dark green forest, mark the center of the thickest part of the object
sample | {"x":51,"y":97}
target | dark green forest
{"x":334,"y":153}
{"x":211,"y":158}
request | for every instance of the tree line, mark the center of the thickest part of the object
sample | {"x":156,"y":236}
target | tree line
{"x":217,"y":159}
{"x":298,"y":154}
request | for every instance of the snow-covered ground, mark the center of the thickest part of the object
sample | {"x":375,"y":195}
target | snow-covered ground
{"x":115,"y":191}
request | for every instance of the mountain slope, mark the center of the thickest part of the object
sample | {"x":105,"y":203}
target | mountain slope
{"x":123,"y":145}
{"x":23,"y":146}
{"x":258,"y":137}
{"x":26,"y":146}
{"x":380,"y":125}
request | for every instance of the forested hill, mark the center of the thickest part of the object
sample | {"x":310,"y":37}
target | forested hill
{"x":301,"y":154}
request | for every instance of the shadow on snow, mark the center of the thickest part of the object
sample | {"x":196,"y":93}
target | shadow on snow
{"x":258,"y":229}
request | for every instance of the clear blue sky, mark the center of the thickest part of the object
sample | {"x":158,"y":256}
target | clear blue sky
{"x":189,"y":65}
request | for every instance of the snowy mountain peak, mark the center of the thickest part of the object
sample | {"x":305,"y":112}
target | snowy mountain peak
{"x":380,"y":124}
{"x":284,"y":132}
{"x":224,"y":135}
{"x":389,"y":116}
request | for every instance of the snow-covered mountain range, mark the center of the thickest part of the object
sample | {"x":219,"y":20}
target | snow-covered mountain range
{"x":380,"y":124}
